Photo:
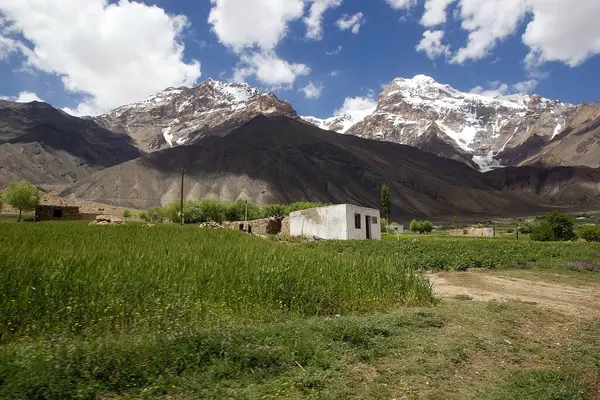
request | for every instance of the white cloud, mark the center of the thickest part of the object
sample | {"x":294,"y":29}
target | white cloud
{"x":314,"y":20}
{"x":353,"y":104}
{"x":113,"y":53}
{"x":335,"y":73}
{"x":311,"y":91}
{"x":525,"y":86}
{"x":497,"y":88}
{"x":352,"y":22}
{"x":559,"y":30}
{"x":431,"y":44}
{"x":435,"y":12}
{"x":268,"y":68}
{"x":23,"y":97}
{"x":334,"y":52}
{"x":563,"y":31}
{"x":263,"y":23}
{"x":400,"y":4}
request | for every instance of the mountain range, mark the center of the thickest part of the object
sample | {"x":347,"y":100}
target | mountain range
{"x":426,"y":140}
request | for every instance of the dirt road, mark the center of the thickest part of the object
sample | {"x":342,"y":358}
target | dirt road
{"x":581,"y":300}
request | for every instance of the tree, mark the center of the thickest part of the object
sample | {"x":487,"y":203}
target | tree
{"x":555,"y":227}
{"x":21,"y":195}
{"x":126,"y":214}
{"x":427,"y":227}
{"x":590,"y":233}
{"x":386,"y":205}
{"x":416,"y":226}
{"x":456,"y":223}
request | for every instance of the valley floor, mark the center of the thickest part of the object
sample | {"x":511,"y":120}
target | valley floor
{"x":137,"y":312}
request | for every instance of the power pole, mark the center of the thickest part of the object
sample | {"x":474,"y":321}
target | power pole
{"x":517,"y":227}
{"x":181,"y":209}
{"x":246,"y":213}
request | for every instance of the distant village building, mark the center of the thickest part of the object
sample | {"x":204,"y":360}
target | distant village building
{"x":473,"y":232}
{"x":396,"y":228}
{"x":338,"y":222}
{"x":54,"y":208}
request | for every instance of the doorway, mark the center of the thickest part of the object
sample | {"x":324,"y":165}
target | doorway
{"x":368,"y":223}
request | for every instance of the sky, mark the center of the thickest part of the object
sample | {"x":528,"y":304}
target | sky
{"x":323,"y":56}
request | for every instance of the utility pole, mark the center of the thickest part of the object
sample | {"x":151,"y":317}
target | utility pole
{"x":517,"y":227}
{"x":181,"y":209}
{"x":246,"y":213}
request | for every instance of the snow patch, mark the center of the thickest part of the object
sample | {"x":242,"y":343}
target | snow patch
{"x":487,"y":162}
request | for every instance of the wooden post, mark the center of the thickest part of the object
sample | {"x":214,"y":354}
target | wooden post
{"x":181,"y":198}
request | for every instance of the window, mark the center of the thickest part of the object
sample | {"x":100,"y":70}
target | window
{"x":57,"y":213}
{"x":374,"y":220}
{"x":357,"y":221}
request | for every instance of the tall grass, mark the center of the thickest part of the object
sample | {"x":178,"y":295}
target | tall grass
{"x":69,"y":278}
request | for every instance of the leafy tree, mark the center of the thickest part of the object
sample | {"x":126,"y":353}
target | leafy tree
{"x":156,"y":214}
{"x":456,"y":223}
{"x":1,"y":201}
{"x":542,"y":232}
{"x":274,"y":210}
{"x":427,"y":226}
{"x":126,"y":214}
{"x":21,"y":195}
{"x":416,"y":226}
{"x":384,"y":225}
{"x":590,"y":233}
{"x":556,"y":226}
{"x":386,"y":205}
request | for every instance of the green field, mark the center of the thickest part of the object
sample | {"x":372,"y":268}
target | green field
{"x":169,"y":312}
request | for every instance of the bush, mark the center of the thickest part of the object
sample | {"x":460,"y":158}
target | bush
{"x":126,"y":214}
{"x":384,"y":225}
{"x":420,"y":226}
{"x":590,"y":233}
{"x":525,"y":229}
{"x":274,"y":210}
{"x":143,"y":216}
{"x":555,"y":227}
{"x":156,"y":214}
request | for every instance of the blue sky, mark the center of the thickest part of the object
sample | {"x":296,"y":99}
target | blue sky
{"x":125,"y":51}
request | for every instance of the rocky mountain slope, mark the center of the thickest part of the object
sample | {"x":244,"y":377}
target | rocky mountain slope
{"x":44,"y":145}
{"x":423,"y":113}
{"x":177,"y":116}
{"x":281,"y":160}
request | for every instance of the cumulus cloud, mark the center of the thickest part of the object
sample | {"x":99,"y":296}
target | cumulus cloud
{"x":23,"y":97}
{"x":112,"y":53}
{"x":252,"y":29}
{"x":268,"y":68}
{"x":314,"y":20}
{"x":497,"y":88}
{"x":354,"y":104}
{"x":263,"y":23}
{"x":431,"y":44}
{"x":352,"y":22}
{"x":400,"y":4}
{"x":435,"y":12}
{"x":312,"y":91}
{"x":334,"y":52}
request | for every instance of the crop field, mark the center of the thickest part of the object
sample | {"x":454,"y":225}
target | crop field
{"x":138,"y":312}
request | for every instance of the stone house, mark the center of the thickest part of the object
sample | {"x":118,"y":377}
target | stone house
{"x":337,"y":222}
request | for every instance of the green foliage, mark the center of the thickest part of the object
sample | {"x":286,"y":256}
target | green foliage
{"x":556,"y":226}
{"x":384,"y":225}
{"x":126,"y":213}
{"x":591,"y":233}
{"x":21,"y":195}
{"x":77,"y":279}
{"x":212,"y":210}
{"x":274,"y":210}
{"x":448,"y":253}
{"x":143,"y":215}
{"x":386,"y":204}
{"x":525,"y":229}
{"x":420,"y":226}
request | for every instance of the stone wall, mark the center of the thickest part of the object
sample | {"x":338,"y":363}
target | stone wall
{"x":472,"y":232}
{"x":56,"y":213}
{"x":267,"y":226}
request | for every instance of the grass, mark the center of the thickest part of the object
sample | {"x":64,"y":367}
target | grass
{"x":448,"y":253}
{"x":134,"y":312}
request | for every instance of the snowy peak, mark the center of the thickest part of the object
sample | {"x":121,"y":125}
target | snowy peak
{"x":176,"y":115}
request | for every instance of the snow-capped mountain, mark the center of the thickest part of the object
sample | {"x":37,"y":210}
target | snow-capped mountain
{"x":420,"y":110}
{"x":176,"y":115}
{"x":342,"y":122}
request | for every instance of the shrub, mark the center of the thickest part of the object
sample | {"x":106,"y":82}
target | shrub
{"x":274,"y":210}
{"x":555,"y":227}
{"x":384,"y":225}
{"x":420,"y":226}
{"x":525,"y":229}
{"x":590,"y":233}
{"x":126,"y":214}
{"x":143,"y":216}
{"x":156,"y":214}
{"x":427,"y":227}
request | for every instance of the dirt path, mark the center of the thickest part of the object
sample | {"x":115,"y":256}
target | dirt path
{"x":484,"y":286}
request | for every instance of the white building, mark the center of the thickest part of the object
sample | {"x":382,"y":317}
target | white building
{"x":339,"y":222}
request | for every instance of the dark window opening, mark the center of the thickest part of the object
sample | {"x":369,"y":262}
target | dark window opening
{"x":357,"y":221}
{"x":373,"y":220}
{"x":57,"y":213}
